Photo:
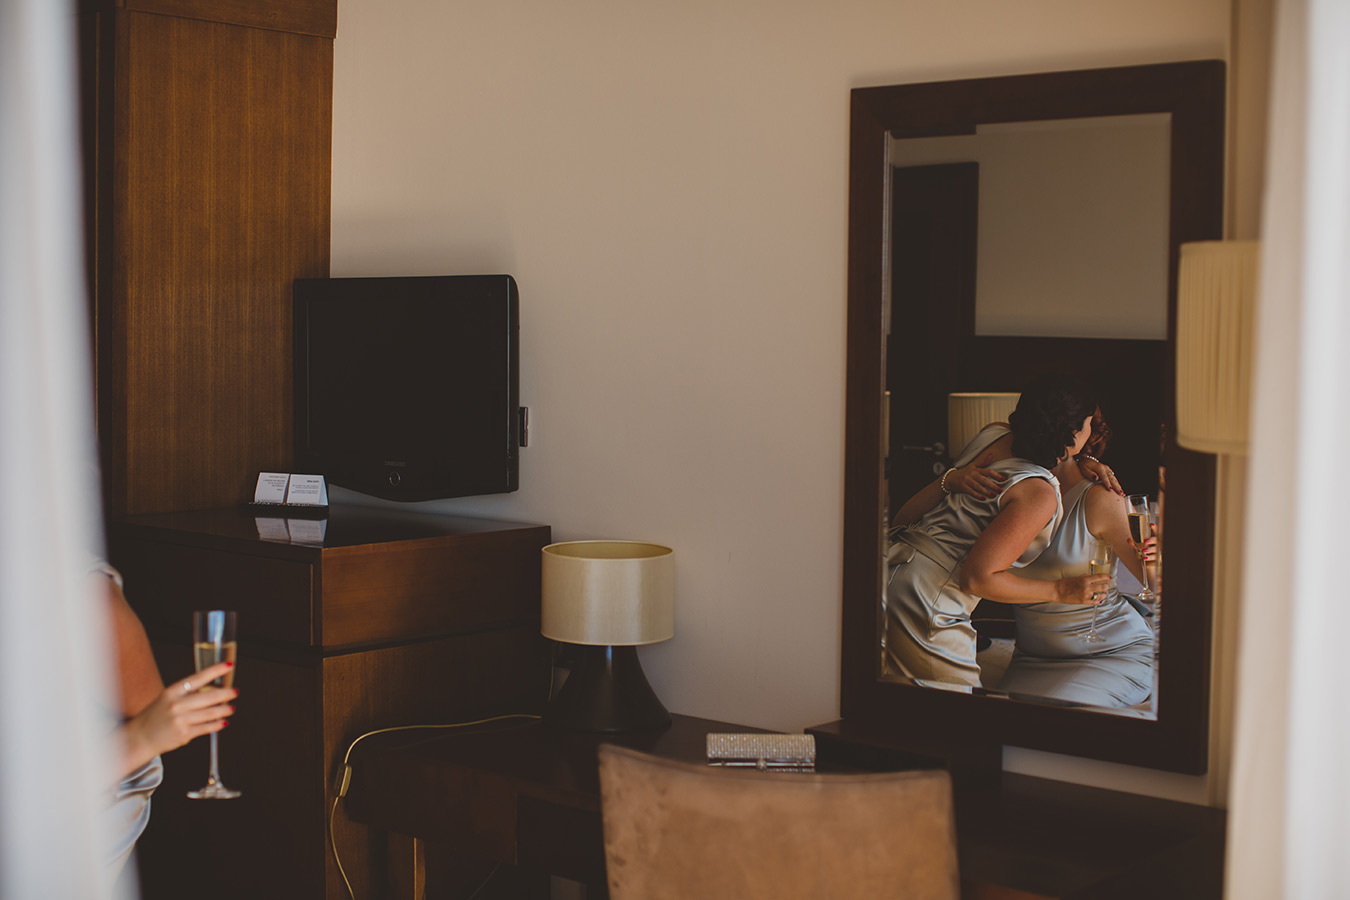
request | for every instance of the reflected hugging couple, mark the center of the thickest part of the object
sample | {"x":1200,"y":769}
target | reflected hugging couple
{"x":1016,"y":521}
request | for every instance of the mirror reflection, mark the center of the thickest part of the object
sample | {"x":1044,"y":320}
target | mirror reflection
{"x":1024,"y":381}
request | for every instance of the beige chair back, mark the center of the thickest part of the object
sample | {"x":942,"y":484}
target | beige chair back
{"x":677,"y":830}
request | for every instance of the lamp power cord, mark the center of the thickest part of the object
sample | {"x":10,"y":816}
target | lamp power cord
{"x":343,"y":779}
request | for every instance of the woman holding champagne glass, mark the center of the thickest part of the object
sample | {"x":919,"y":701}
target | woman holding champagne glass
{"x":1091,"y":656}
{"x":154,"y":719}
{"x":184,"y":710}
{"x":950,"y":547}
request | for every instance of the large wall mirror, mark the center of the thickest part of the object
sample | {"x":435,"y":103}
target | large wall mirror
{"x":1000,"y":228}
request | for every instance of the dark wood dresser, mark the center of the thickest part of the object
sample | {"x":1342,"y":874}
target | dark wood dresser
{"x":365,"y":620}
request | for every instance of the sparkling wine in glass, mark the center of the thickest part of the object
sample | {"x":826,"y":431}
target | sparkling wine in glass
{"x":213,"y":642}
{"x":1103,"y":562}
{"x":1141,"y":518}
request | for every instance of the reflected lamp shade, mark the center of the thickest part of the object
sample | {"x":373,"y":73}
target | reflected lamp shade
{"x":609,"y":597}
{"x":968,"y":413}
{"x":1216,"y":304}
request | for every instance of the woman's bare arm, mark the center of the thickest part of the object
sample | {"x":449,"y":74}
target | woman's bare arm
{"x":139,"y":682}
{"x":1094,"y":469}
{"x":1026,"y":508}
{"x":920,"y":503}
{"x":1108,"y":518}
{"x":973,"y":478}
{"x":976,"y":480}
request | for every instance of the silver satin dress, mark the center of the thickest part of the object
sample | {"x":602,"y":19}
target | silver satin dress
{"x":929,"y":636}
{"x":128,"y":812}
{"x":1050,"y":658}
{"x":127,"y":808}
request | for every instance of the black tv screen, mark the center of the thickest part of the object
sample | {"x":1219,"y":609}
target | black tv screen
{"x":407,"y":388}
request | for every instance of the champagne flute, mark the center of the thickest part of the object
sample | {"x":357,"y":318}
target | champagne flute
{"x":1140,"y":519}
{"x":213,"y":642}
{"x":1103,"y":562}
{"x":1157,"y":576}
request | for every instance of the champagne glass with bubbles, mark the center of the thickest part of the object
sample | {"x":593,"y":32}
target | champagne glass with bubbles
{"x":1141,"y":520}
{"x":213,"y":642}
{"x":1103,"y":562}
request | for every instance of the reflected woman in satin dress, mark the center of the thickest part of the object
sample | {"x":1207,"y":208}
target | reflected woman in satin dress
{"x":1050,"y":658}
{"x":948,"y":550}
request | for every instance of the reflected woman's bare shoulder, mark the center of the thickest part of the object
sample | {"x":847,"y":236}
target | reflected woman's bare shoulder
{"x":1103,"y":505}
{"x":1039,"y":491}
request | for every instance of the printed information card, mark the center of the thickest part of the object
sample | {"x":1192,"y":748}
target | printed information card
{"x":284,"y":489}
{"x":271,"y":487}
{"x":307,"y":490}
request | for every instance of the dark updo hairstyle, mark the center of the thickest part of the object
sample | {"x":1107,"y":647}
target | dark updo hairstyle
{"x":1101,"y":435}
{"x":1051,"y":409}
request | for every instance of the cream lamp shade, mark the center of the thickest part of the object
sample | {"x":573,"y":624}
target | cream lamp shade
{"x":1216,"y":302}
{"x":968,"y":413}
{"x":608,"y":593}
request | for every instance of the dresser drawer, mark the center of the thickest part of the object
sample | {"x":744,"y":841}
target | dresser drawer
{"x":165,"y":582}
{"x":414,"y":589}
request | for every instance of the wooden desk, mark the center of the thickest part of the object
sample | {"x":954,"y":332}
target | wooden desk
{"x":371,"y":618}
{"x":528,"y":795}
{"x":520,"y":793}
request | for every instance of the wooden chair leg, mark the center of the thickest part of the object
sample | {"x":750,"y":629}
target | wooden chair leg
{"x":407,"y":868}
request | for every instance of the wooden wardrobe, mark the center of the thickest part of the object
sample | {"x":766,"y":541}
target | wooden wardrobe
{"x":207,"y":149}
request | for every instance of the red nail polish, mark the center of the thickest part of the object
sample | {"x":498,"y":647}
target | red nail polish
{"x":224,"y":722}
{"x":229,"y":665}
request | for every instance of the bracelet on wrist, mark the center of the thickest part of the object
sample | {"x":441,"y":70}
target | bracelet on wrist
{"x":943,"y":483}
{"x":1082,"y":456}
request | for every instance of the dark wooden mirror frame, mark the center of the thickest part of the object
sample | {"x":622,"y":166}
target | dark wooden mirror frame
{"x":1193,"y":92}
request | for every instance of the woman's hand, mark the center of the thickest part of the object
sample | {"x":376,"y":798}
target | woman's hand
{"x":1149,"y":549}
{"x":1100,"y":472}
{"x":181,"y":712}
{"x":1083,"y":589}
{"x":975,"y":480}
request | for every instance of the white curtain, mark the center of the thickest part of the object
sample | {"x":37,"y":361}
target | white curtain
{"x":1289,"y":826}
{"x":55,"y":768}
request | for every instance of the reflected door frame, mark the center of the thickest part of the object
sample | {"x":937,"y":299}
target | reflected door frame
{"x":934,"y":238}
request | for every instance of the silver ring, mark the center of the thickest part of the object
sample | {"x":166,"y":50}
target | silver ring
{"x":187,"y":687}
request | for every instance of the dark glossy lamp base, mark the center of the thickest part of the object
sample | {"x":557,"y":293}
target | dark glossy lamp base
{"x":607,"y":692}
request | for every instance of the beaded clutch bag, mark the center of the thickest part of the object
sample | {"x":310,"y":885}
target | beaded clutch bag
{"x":796,"y":752}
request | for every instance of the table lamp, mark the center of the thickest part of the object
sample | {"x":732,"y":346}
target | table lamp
{"x":1216,"y":329}
{"x":608,"y":597}
{"x":968,"y":413}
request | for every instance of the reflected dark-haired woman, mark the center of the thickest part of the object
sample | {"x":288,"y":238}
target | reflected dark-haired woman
{"x":1050,"y":658}
{"x":948,"y":550}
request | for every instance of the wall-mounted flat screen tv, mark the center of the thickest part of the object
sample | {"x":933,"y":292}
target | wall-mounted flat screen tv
{"x":407,"y":388}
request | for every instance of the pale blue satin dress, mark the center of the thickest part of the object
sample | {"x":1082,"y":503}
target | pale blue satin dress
{"x":929,"y":635}
{"x":126,"y":811}
{"x":1050,"y":658}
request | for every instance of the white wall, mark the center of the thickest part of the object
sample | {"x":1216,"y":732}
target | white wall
{"x":669,"y":185}
{"x":1073,"y":218}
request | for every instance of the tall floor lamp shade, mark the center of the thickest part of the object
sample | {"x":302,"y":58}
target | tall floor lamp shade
{"x":1216,"y":303}
{"x":608,"y":597}
{"x":968,"y":413}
